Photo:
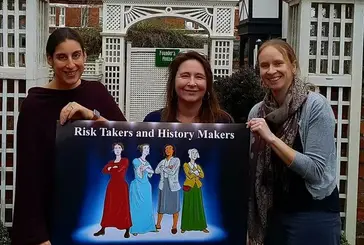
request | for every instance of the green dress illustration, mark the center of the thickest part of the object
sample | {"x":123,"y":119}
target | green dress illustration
{"x":193,"y":212}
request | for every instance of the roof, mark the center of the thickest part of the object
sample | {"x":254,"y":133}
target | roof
{"x":90,"y":2}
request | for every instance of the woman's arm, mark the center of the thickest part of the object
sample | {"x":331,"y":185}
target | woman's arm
{"x":175,"y":162}
{"x":200,"y":171}
{"x":106,"y":169}
{"x":158,"y":169}
{"x":319,"y":143}
{"x":187,"y":170}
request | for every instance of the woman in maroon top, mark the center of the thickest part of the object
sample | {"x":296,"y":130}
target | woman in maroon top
{"x":66,"y":97}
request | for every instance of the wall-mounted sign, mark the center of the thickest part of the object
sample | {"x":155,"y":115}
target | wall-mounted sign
{"x":163,"y":57}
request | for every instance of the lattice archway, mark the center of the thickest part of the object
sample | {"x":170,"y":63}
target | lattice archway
{"x":217,"y":17}
{"x":134,"y":14}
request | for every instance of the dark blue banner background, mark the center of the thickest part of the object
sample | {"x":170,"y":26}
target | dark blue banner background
{"x":80,"y":185}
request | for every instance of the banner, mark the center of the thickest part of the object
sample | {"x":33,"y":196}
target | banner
{"x":142,"y":183}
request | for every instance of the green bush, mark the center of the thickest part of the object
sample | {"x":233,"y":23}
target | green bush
{"x":155,"y":33}
{"x":239,"y":92}
{"x":93,"y":41}
{"x":4,"y":235}
{"x":343,"y":240}
{"x":147,"y":34}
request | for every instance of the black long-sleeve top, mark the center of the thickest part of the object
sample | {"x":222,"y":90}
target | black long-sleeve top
{"x":36,"y":133}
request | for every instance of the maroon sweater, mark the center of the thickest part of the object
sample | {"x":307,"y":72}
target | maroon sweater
{"x":36,"y":133}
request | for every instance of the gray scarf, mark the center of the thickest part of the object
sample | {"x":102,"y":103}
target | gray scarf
{"x":285,"y":119}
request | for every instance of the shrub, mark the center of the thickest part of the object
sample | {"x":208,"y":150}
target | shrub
{"x":155,"y":33}
{"x":343,"y":240}
{"x":4,"y":235}
{"x":239,"y":92}
{"x":93,"y":41}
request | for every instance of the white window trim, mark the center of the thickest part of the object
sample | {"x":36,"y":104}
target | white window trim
{"x":84,"y":19}
{"x":52,"y":16}
{"x":62,"y":17}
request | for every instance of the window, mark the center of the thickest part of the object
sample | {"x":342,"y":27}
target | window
{"x":22,"y":22}
{"x":22,"y":59}
{"x":11,"y":59}
{"x":62,"y":16}
{"x":10,"y":4}
{"x":22,"y":39}
{"x":52,"y":16}
{"x":331,"y":36}
{"x":11,"y":24}
{"x":22,"y":5}
{"x":11,"y":40}
{"x":84,"y":16}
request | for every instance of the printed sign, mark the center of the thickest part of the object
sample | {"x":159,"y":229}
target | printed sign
{"x":142,"y":183}
{"x":163,"y":57}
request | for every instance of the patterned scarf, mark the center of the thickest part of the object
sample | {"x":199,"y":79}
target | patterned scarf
{"x":284,"y":119}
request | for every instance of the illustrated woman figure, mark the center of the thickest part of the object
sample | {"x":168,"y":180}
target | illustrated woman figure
{"x":169,"y":187}
{"x":141,"y":207}
{"x":116,"y":207}
{"x":193,"y":213}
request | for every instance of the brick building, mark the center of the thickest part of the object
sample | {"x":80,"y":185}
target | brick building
{"x":75,"y":13}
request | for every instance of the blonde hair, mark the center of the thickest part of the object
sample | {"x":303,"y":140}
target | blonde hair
{"x":284,"y":48}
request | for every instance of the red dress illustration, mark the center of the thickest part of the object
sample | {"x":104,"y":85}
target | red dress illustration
{"x":116,"y":206}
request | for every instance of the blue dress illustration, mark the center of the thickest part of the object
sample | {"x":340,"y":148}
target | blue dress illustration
{"x":141,"y":207}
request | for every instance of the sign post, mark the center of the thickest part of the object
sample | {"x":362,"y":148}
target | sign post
{"x":163,"y":57}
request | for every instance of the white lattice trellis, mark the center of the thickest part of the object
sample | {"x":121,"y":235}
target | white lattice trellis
{"x":145,"y":83}
{"x":12,"y":93}
{"x":23,"y":36}
{"x":217,"y":17}
{"x":328,"y":36}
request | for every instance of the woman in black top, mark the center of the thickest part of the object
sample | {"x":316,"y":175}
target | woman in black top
{"x":65,"y":97}
{"x":190,"y":94}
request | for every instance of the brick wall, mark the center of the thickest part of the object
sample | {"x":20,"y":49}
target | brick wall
{"x":175,"y":22}
{"x":73,"y":17}
{"x":93,"y":17}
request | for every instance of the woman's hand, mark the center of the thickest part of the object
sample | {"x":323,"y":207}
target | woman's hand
{"x":260,"y":127}
{"x":75,"y":111}
{"x":46,"y":243}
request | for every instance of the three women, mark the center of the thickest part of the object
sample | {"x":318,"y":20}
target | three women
{"x":292,"y":145}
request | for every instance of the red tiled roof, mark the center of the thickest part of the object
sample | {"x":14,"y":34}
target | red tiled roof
{"x":77,"y":1}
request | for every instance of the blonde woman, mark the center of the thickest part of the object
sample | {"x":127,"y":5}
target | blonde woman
{"x":293,"y":157}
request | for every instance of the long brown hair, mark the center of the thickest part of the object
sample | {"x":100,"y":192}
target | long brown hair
{"x":210,"y":110}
